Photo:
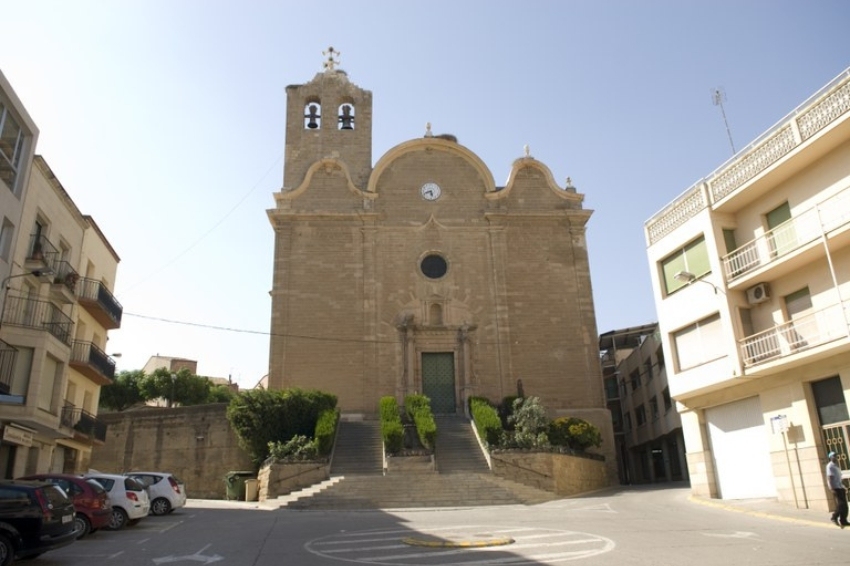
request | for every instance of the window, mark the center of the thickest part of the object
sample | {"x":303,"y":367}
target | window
{"x":434,"y":266}
{"x":611,"y":390}
{"x":668,"y":402}
{"x":783,"y":235}
{"x":7,"y":230}
{"x":659,"y":356}
{"x":635,"y":379}
{"x":647,"y":369}
{"x":692,"y":258}
{"x":627,"y":418}
{"x":829,"y":399}
{"x":640,"y":415}
{"x":653,"y":407}
{"x":11,"y":147}
{"x":699,"y":343}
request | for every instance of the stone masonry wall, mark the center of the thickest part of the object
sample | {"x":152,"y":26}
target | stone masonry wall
{"x":194,"y":443}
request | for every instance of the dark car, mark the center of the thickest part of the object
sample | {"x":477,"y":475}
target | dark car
{"x":35,"y":517}
{"x":94,"y":510}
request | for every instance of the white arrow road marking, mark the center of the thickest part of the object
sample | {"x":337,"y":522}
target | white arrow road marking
{"x":197,"y":557}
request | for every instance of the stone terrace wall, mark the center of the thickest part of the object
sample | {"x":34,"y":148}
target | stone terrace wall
{"x":561,"y":474}
{"x":194,"y":443}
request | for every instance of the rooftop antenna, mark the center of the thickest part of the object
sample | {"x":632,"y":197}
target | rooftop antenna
{"x":718,"y":97}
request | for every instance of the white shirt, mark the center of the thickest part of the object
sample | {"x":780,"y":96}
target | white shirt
{"x":833,"y":475}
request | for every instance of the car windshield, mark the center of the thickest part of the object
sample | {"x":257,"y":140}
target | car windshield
{"x":55,"y":495}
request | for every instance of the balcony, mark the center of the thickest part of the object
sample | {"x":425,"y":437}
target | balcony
{"x":85,"y":425}
{"x":8,"y":355}
{"x":64,"y":282}
{"x":804,"y":333}
{"x":40,"y":315}
{"x":92,"y":362}
{"x":829,"y":219}
{"x":41,"y":255}
{"x":101,"y":304}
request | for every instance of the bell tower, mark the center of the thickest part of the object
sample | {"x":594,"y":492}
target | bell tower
{"x":328,"y":117}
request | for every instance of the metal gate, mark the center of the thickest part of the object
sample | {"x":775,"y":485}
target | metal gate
{"x":438,"y":381}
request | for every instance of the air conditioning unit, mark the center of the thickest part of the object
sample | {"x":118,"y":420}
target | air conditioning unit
{"x":758,"y":293}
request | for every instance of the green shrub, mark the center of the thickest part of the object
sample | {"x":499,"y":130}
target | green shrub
{"x":392,"y":430}
{"x":299,"y":448}
{"x":326,"y":430}
{"x":530,"y":423}
{"x":574,"y":433}
{"x":486,"y":419}
{"x":418,"y":408}
{"x":506,"y":409}
{"x":259,"y":417}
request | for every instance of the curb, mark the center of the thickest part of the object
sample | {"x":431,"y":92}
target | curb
{"x":762,"y":514}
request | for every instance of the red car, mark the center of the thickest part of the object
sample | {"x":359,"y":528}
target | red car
{"x":91,"y":502}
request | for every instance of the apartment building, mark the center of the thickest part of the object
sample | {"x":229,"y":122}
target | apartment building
{"x":647,"y":427}
{"x":57,"y":309}
{"x":751,"y":277}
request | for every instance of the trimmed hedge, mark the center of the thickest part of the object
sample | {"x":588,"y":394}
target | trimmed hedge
{"x":326,"y":430}
{"x":486,"y":419}
{"x":392,"y":430}
{"x":418,"y":408}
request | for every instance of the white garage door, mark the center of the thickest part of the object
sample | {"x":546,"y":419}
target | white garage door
{"x":739,"y":443}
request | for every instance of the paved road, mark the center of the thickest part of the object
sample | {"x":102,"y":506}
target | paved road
{"x":625,"y":527}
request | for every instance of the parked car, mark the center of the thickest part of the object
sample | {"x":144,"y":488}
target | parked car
{"x":34,"y":517}
{"x":166,"y":492}
{"x":93,"y":509}
{"x":130,"y":501}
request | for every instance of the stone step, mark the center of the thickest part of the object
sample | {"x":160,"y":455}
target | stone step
{"x":411,"y":490}
{"x":358,"y":448}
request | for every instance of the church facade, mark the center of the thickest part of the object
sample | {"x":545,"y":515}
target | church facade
{"x":418,"y":274}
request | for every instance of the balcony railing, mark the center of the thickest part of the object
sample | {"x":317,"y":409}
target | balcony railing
{"x":8,"y":354}
{"x":90,"y":360}
{"x":41,"y":315}
{"x":65,"y":275}
{"x":789,"y":236}
{"x":825,"y":107}
{"x":83,"y":422}
{"x":803,"y":333}
{"x":100,"y":302}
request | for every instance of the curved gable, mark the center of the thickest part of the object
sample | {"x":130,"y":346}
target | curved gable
{"x":430,"y":144}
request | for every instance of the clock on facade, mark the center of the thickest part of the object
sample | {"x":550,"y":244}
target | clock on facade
{"x":430,"y":191}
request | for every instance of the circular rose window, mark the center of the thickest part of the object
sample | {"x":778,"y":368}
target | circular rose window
{"x":433,"y":266}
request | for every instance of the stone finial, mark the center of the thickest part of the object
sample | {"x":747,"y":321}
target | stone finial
{"x":569,"y":187}
{"x":428,"y":133}
{"x":331,"y":63}
{"x":527,"y":150}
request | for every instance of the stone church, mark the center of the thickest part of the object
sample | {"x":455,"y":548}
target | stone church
{"x":418,"y":274}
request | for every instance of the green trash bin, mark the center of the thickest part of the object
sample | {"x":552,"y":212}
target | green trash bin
{"x":235,"y":484}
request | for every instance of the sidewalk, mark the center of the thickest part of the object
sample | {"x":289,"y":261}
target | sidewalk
{"x":771,"y":509}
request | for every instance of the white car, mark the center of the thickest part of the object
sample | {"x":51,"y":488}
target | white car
{"x":166,"y":492}
{"x":130,"y":501}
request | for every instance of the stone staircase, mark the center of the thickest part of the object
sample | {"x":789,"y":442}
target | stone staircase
{"x":358,"y":449}
{"x":462,"y":479}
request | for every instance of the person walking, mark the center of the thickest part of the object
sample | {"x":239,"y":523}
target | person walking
{"x":833,"y":480}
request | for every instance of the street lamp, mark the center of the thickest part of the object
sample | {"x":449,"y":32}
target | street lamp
{"x":173,"y":383}
{"x":687,"y":277}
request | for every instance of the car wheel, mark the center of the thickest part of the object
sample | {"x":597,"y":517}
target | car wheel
{"x":119,"y":519}
{"x":160,"y":506}
{"x":81,"y":523}
{"x":7,"y":551}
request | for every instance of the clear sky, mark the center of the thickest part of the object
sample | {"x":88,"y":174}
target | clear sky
{"x":164,"y":120}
